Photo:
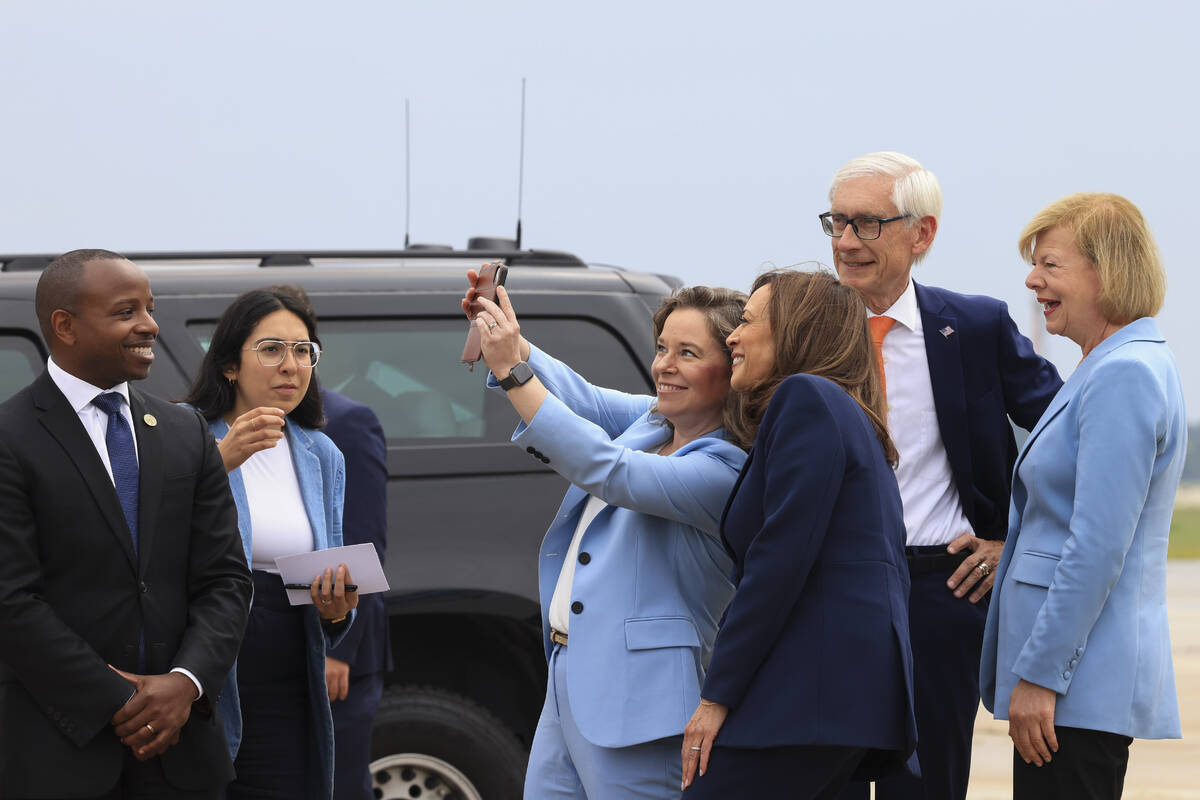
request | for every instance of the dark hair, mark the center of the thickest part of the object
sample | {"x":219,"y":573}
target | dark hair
{"x":819,"y":326}
{"x":212,"y":393}
{"x":58,"y":286}
{"x":722,"y":309}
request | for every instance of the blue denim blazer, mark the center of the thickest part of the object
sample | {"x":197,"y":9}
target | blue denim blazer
{"x":321,"y":472}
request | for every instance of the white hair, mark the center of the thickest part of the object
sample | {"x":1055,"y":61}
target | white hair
{"x":915,"y":190}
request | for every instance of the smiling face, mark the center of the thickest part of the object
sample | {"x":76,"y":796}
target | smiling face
{"x":878,"y":269}
{"x":282,"y":386}
{"x":753,"y":343}
{"x":691,"y":372}
{"x":1068,"y":288}
{"x":109,"y":335}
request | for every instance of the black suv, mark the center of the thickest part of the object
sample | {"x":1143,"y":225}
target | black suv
{"x":466,"y":508}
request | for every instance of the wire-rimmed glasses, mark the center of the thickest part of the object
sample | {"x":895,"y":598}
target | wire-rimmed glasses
{"x":272,"y":352}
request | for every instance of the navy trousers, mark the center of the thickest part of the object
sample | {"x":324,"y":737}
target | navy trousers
{"x":802,"y":773}
{"x":1089,"y":765}
{"x":947,"y":637}
{"x":353,"y":719}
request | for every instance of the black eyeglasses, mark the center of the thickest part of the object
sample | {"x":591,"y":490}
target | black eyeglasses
{"x":865,"y":228}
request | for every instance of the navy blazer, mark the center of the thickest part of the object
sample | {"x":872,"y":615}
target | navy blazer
{"x":983,"y":372}
{"x":356,"y":431}
{"x":814,"y":648}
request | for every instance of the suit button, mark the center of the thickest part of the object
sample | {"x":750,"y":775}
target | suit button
{"x":584,"y":558}
{"x":1078,"y":651}
{"x":577,"y":607}
{"x":143,"y":587}
{"x":544,"y":460}
{"x":530,"y":450}
{"x":1067,"y":675}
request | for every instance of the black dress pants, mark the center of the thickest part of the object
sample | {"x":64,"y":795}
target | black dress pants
{"x":1089,"y":765}
{"x":779,"y":773}
{"x":277,"y":747}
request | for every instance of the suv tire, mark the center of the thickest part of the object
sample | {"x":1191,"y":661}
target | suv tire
{"x":445,"y":746}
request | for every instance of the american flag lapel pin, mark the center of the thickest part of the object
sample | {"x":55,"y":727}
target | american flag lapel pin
{"x":946,"y":331}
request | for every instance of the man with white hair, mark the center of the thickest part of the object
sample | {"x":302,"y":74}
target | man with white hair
{"x":955,"y":370}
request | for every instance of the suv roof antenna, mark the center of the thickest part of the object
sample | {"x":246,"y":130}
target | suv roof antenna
{"x":407,"y":176}
{"x":521,"y":166}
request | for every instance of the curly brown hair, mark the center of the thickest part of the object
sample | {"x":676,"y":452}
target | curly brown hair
{"x":722,"y":308}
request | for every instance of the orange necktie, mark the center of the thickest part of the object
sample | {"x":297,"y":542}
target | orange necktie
{"x":879,"y":328}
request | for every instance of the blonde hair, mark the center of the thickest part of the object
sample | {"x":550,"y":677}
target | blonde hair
{"x":1113,"y":235}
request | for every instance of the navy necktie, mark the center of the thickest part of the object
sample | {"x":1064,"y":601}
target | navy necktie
{"x":122,"y":457}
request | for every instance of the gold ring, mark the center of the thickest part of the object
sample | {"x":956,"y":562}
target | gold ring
{"x":151,"y":728}
{"x":983,"y":568}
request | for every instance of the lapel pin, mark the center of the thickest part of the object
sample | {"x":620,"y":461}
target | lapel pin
{"x":150,"y":420}
{"x":946,"y":331}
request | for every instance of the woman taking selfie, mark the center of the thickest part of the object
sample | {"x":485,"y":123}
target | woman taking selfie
{"x":258,"y":390}
{"x":811,"y":676}
{"x":632,"y":576}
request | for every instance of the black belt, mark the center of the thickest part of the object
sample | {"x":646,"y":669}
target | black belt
{"x":933,"y":558}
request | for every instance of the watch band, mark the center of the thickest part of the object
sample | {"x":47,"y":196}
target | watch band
{"x":518,"y":375}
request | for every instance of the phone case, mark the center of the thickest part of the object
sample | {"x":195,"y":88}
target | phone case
{"x":494,"y":273}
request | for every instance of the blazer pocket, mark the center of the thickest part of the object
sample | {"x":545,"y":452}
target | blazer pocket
{"x":1036,"y":569}
{"x":649,"y":633}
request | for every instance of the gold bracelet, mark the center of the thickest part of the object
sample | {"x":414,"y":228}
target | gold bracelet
{"x":334,"y":621}
{"x":704,"y":702}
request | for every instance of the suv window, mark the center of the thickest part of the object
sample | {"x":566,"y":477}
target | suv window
{"x":408,"y":371}
{"x":21,"y":361}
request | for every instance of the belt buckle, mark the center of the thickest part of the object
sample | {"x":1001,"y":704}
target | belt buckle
{"x":558,"y":638}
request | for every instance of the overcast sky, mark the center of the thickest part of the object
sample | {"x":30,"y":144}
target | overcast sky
{"x":691,"y":138}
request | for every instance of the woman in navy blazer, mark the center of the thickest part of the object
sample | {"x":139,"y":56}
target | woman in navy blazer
{"x":631,"y":574}
{"x":1076,"y":652}
{"x":811,"y":676}
{"x":258,"y":390}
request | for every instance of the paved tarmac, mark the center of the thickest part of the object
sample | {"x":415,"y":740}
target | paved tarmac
{"x":1158,"y":770}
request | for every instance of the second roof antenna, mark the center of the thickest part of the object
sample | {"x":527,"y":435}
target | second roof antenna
{"x":521,"y":166}
{"x":407,"y":176}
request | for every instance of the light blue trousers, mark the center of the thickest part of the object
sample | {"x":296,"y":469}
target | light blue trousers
{"x":563,"y":764}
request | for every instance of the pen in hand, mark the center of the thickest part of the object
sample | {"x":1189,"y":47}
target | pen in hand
{"x":350,"y":587}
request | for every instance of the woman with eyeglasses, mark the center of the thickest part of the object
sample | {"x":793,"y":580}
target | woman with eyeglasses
{"x":258,"y":389}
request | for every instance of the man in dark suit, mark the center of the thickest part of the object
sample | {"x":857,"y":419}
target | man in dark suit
{"x":354,"y":669}
{"x":956,"y":370}
{"x":123,"y":589}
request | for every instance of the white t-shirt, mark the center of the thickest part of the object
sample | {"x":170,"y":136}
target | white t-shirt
{"x":278,"y":521}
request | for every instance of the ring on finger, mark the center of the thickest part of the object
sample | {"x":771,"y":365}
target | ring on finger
{"x":983,"y":568}
{"x":150,"y":728}
{"x":695,"y":747}
{"x":493,"y":325}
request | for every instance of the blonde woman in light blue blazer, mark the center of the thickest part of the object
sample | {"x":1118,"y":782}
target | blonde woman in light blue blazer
{"x":1077,"y":654}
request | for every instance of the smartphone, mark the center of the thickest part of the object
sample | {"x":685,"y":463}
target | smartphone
{"x":491,"y":275}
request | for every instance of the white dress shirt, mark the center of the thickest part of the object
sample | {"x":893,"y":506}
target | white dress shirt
{"x":933,"y":513}
{"x":560,"y":603}
{"x":79,"y":394}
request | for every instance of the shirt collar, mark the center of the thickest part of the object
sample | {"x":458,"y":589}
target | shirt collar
{"x":79,"y":393}
{"x":904,"y":310}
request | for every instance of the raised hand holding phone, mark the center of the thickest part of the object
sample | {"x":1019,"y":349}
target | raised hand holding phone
{"x":483,"y":284}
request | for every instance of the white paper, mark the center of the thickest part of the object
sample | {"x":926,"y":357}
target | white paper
{"x":360,"y":559}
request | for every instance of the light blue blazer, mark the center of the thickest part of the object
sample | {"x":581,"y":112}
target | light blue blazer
{"x":656,"y":580}
{"x":321,"y":472}
{"x":1079,"y":604}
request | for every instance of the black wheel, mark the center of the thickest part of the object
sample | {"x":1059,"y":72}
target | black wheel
{"x":434,"y":744}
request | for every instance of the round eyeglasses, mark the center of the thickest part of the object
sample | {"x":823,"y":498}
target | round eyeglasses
{"x":272,"y":352}
{"x":865,"y":228}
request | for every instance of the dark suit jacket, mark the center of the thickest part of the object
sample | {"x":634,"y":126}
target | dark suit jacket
{"x":814,"y":648}
{"x":356,"y":431}
{"x":983,"y":372}
{"x":74,"y":597}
